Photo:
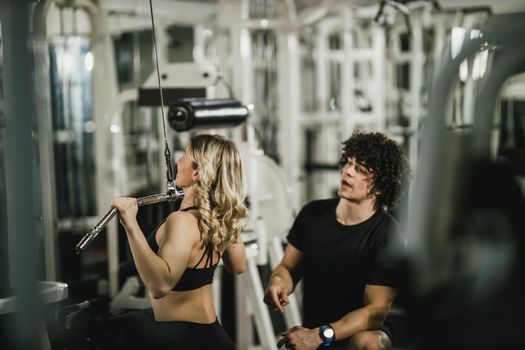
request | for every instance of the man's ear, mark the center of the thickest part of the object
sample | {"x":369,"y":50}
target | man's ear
{"x":371,"y":191}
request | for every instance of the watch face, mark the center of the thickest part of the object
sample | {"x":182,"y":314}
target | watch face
{"x":328,"y":333}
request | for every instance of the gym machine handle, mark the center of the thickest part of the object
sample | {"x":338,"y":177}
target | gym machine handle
{"x":95,"y":230}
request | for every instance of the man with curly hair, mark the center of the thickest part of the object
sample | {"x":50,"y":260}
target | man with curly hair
{"x":342,"y":249}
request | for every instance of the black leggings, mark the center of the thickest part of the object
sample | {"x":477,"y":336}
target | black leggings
{"x":139,"y":330}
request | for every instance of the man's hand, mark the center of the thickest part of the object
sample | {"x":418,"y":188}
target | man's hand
{"x":276,"y":296}
{"x":300,"y":338}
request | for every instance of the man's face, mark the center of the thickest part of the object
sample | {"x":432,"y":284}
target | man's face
{"x":356,"y":181}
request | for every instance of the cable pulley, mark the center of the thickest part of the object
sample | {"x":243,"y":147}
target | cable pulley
{"x":195,"y":113}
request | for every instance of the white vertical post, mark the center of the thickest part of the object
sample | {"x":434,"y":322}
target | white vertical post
{"x":289,"y":82}
{"x":231,"y":16}
{"x":104,"y":96}
{"x":162,"y":42}
{"x":470,"y":84}
{"x":253,"y":290}
{"x":253,"y":186}
{"x":416,"y":84}
{"x":243,"y":322}
{"x":347,"y":82}
{"x":322,"y":72}
{"x":216,"y":290}
{"x":262,"y":241}
{"x":439,"y":40}
{"x":378,"y":64}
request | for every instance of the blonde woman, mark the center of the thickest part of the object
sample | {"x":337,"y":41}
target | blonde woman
{"x":176,"y":262}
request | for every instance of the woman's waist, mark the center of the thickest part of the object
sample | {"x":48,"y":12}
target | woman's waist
{"x":191,"y":306}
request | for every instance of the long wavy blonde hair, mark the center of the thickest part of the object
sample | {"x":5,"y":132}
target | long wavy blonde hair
{"x":219,"y":190}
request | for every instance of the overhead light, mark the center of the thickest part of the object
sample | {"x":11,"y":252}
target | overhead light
{"x":456,"y":40}
{"x":479,"y":65}
{"x":114,"y":128}
{"x":89,"y":61}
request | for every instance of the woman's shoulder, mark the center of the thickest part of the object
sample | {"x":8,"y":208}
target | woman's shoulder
{"x":183,"y":223}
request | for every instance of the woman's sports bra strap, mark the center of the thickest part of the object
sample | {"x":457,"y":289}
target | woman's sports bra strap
{"x":207,"y":251}
{"x":189,"y":208}
{"x":209,"y":260}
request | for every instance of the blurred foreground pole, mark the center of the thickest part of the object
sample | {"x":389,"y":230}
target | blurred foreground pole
{"x":21,"y":174}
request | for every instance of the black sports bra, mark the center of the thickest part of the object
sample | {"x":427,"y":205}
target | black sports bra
{"x":192,"y":278}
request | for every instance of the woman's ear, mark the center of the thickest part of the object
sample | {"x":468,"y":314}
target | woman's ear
{"x":195,"y":175}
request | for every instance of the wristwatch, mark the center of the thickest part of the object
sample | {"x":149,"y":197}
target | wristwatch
{"x":327,"y":334}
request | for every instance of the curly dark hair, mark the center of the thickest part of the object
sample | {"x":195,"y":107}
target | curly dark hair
{"x":387,"y":162}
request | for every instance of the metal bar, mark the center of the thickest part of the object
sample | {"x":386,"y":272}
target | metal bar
{"x":95,"y":230}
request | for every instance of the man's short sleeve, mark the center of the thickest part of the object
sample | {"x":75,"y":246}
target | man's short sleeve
{"x":384,"y":265}
{"x":296,"y":234}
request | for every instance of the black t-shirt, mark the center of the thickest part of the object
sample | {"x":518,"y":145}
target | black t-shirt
{"x":339,"y":260}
